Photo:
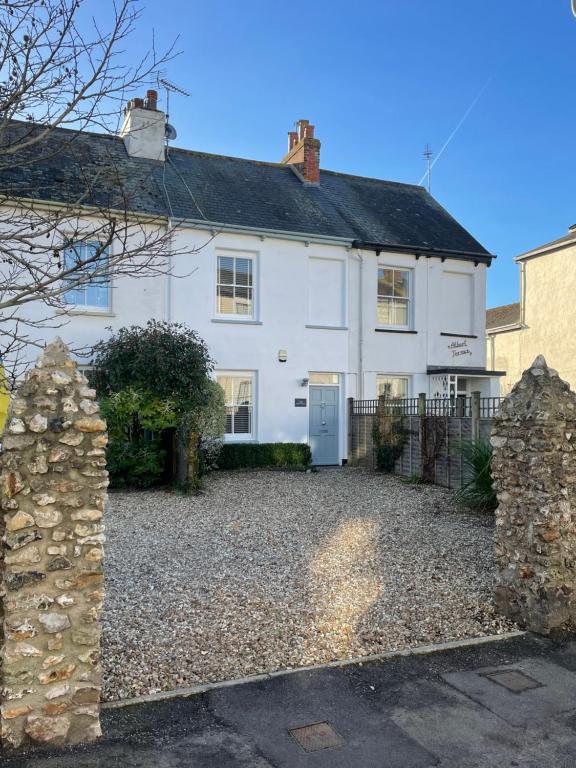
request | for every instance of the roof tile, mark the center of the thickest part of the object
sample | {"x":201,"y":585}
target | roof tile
{"x":95,"y":169}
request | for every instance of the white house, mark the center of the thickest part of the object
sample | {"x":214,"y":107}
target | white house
{"x":309,"y":286}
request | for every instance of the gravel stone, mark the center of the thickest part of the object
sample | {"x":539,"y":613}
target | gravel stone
{"x":277,"y":570}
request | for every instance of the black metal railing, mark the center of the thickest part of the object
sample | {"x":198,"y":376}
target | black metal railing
{"x":461,"y":406}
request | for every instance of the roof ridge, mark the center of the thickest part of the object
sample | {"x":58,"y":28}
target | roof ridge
{"x":184,"y":150}
{"x":419,"y":187}
{"x":78,"y":131}
{"x":197,"y":152}
{"x":504,"y":306}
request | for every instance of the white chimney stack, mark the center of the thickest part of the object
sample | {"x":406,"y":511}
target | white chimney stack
{"x":144,"y":128}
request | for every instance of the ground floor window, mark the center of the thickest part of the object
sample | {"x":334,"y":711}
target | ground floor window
{"x":392,"y":386}
{"x":239,"y":401}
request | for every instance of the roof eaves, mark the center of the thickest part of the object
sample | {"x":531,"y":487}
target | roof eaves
{"x":554,"y":245}
{"x":215,"y":227}
{"x":93,"y":210}
{"x":428,"y":252}
{"x":504,"y":328}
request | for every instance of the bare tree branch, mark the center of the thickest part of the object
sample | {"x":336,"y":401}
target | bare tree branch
{"x":57,"y":83}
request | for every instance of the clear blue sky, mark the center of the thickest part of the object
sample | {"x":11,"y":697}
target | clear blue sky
{"x":379,"y":79}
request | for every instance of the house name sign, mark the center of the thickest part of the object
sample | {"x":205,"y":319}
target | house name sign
{"x":459,"y":348}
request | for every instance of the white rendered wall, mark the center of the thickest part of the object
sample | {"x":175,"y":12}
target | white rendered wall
{"x":307,"y":303}
{"x":284,"y":310}
{"x":432,"y":314}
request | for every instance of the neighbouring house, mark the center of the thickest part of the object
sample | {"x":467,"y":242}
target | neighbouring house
{"x":544,"y":319}
{"x":310,"y":286}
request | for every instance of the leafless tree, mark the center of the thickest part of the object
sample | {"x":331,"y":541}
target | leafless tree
{"x":55,"y":75}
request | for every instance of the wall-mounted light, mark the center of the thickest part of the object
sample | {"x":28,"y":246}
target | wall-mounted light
{"x":304,"y":382}
{"x":282,"y":355}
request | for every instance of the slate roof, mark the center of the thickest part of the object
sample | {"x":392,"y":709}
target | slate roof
{"x":72,"y":167}
{"x":499,"y":317}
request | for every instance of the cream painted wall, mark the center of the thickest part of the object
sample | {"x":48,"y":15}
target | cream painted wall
{"x":504,"y":355}
{"x":549,"y":320}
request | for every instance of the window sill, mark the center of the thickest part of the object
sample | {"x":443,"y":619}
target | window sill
{"x":460,"y":335}
{"x":394,"y":330}
{"x":236,"y":439}
{"x":90,"y":311}
{"x":235,"y":321}
{"x":328,"y":327}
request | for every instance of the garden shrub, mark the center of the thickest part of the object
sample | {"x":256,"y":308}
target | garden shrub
{"x":478,"y":493}
{"x":155,"y":390}
{"x":138,"y":464}
{"x":263,"y":455}
{"x":167,"y":359}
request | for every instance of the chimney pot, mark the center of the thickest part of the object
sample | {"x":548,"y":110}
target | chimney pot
{"x":304,"y":152}
{"x":301,"y":124}
{"x":151,"y":99}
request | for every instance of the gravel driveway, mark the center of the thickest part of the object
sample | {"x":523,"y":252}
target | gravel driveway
{"x":271,"y":570}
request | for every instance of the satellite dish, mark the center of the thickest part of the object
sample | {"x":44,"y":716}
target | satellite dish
{"x":574,"y":7}
{"x":170,"y":131}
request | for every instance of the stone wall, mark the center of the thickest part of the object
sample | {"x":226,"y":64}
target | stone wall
{"x":53,"y":490}
{"x":534,"y":469}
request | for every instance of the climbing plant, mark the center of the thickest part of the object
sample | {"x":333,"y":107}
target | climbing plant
{"x":389,"y":435}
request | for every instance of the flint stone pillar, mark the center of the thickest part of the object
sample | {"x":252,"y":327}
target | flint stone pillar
{"x":53,"y":490}
{"x":534,"y":470}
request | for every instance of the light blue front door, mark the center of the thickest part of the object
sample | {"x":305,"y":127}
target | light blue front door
{"x":324,"y":425}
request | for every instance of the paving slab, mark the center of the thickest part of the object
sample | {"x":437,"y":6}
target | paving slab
{"x":465,"y":734}
{"x":266,"y":712}
{"x":552,"y":690}
{"x":412,"y":711}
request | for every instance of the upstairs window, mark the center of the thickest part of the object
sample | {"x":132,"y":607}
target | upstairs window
{"x":238,"y":400}
{"x":235,"y":286}
{"x":87,"y":258}
{"x":394,"y":297}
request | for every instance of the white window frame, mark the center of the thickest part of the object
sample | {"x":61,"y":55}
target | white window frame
{"x":410,"y":300}
{"x":243,"y":437}
{"x":397,"y":376}
{"x":88,"y":309}
{"x":323,"y":379}
{"x":232,"y":316}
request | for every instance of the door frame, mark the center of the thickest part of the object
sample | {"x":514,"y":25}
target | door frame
{"x":338,"y":410}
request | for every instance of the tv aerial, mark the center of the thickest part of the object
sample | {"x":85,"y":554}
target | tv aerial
{"x":427,"y":155}
{"x":170,"y":87}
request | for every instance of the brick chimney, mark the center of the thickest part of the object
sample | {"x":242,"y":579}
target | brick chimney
{"x":304,"y":152}
{"x":144,"y":128}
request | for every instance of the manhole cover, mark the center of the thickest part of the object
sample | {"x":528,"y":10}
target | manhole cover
{"x":513,"y":680}
{"x":317,"y":736}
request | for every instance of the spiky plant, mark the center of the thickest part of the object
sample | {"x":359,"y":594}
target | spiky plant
{"x":478,"y":492}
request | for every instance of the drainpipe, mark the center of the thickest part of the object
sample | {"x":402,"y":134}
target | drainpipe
{"x":168,"y":283}
{"x":360,"y":388}
{"x":492,"y":360}
{"x":522,"y":293}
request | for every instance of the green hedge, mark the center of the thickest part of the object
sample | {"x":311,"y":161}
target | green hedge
{"x":243,"y":455}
